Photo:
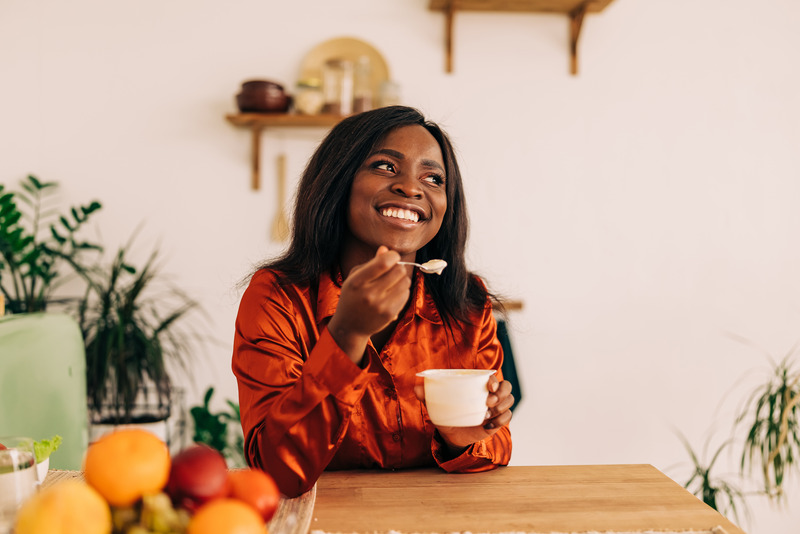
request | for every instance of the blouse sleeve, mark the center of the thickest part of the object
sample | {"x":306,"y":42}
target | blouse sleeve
{"x":495,"y":450}
{"x":295,"y":402}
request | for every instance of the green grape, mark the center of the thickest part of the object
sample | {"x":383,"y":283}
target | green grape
{"x":122,"y":518}
{"x":159,"y":516}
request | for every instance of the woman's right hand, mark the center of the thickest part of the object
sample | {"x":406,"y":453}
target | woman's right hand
{"x":373,"y":295}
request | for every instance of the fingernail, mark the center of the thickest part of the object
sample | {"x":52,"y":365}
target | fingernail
{"x":488,"y":414}
{"x":495,"y":386}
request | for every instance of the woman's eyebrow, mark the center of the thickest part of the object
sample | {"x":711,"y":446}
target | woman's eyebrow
{"x":399,"y":155}
{"x":433,"y":164}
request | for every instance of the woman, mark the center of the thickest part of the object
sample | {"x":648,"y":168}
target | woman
{"x":329,"y":337}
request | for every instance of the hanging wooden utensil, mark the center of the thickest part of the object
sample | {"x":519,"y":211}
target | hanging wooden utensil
{"x":280,"y":226}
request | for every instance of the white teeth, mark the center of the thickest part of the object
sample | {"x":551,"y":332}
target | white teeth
{"x":398,"y":213}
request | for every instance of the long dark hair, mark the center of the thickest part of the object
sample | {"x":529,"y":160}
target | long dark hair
{"x":320,"y":213}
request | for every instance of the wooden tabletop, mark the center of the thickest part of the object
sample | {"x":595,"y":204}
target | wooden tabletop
{"x":613,"y":498}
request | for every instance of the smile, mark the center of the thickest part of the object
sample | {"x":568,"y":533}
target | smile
{"x":398,"y":213}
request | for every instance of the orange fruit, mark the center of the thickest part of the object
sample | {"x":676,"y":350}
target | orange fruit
{"x":66,"y":507}
{"x":226,"y":516}
{"x":126,"y":464}
{"x":256,"y":488}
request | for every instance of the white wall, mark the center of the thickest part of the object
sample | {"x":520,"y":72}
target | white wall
{"x":642,"y":210}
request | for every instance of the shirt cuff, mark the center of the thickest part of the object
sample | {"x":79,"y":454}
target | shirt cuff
{"x":330,"y":368}
{"x":475,"y":456}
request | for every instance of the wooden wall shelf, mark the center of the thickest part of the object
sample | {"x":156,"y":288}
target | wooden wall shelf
{"x":257,"y":122}
{"x":509,"y":305}
{"x":574,"y":9}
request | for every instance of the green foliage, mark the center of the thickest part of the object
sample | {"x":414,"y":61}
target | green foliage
{"x":773,"y":438}
{"x":129,"y":339}
{"x":35,"y":241}
{"x":717,"y":493}
{"x":43,"y":448}
{"x":212,"y":429}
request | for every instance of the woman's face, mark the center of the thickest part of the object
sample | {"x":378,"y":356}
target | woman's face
{"x":398,"y":197}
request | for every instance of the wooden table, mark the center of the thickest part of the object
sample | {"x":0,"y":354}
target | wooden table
{"x":615,"y":498}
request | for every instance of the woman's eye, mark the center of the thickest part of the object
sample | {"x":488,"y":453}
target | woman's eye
{"x":435,"y":179}
{"x":384,"y":166}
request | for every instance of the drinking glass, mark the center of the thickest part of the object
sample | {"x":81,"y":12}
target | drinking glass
{"x":17,"y":478}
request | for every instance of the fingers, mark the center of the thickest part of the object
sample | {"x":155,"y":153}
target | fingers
{"x":499,"y":404}
{"x":500,"y":391}
{"x":497,"y":422}
{"x":381,"y":281}
{"x":419,"y":391}
{"x":381,"y":263}
{"x":493,"y":383}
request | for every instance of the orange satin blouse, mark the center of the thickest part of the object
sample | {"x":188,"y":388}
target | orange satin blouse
{"x":306,"y":407}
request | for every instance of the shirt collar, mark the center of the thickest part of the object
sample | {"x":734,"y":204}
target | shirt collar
{"x":330,"y":286}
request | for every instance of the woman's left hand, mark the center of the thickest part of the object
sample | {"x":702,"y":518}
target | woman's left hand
{"x":499,"y":404}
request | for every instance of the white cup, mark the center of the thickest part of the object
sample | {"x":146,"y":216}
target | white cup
{"x":456,"y":397}
{"x":17,"y":478}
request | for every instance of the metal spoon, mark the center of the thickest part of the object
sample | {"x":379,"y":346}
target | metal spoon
{"x":430,"y":266}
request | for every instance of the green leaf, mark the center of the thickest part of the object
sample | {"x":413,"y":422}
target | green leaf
{"x":57,"y":236}
{"x":65,"y":223}
{"x":44,"y":448}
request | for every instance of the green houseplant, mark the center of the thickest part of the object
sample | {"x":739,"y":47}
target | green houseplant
{"x":220,"y":430}
{"x":716,"y":492}
{"x":771,"y":421}
{"x":129,"y":338}
{"x":35,"y":241}
{"x":772,"y":415}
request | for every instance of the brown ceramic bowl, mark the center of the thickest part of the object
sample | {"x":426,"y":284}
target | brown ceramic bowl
{"x":262,"y":96}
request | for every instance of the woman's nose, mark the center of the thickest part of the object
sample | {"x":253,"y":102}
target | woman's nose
{"x":407,"y":185}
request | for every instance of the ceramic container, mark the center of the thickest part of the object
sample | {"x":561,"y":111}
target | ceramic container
{"x":262,"y":96}
{"x":456,"y":397}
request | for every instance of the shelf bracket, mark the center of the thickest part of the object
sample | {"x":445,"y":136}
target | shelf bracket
{"x":255,"y":179}
{"x":449,"y":12}
{"x":575,"y":25}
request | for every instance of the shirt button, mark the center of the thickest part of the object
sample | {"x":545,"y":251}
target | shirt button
{"x":390,"y":393}
{"x":396,"y":436}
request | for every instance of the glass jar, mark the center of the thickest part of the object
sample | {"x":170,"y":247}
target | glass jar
{"x":389,"y":94}
{"x":308,"y":97}
{"x":362,"y":85}
{"x":337,"y":86}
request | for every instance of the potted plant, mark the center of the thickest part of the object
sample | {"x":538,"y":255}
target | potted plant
{"x":35,"y":241}
{"x":39,"y":252}
{"x":771,"y":420}
{"x":772,"y":414}
{"x":213,"y":429}
{"x":716,"y":492}
{"x":131,"y":329}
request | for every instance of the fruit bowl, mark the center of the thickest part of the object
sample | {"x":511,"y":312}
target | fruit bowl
{"x":133,"y":486}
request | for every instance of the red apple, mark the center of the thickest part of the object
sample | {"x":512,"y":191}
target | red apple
{"x":198,"y":474}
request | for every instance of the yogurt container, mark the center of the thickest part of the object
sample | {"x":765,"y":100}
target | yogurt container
{"x":456,"y":397}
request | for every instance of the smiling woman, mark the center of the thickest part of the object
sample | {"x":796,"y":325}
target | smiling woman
{"x":398,"y":197}
{"x":330,"y":336}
